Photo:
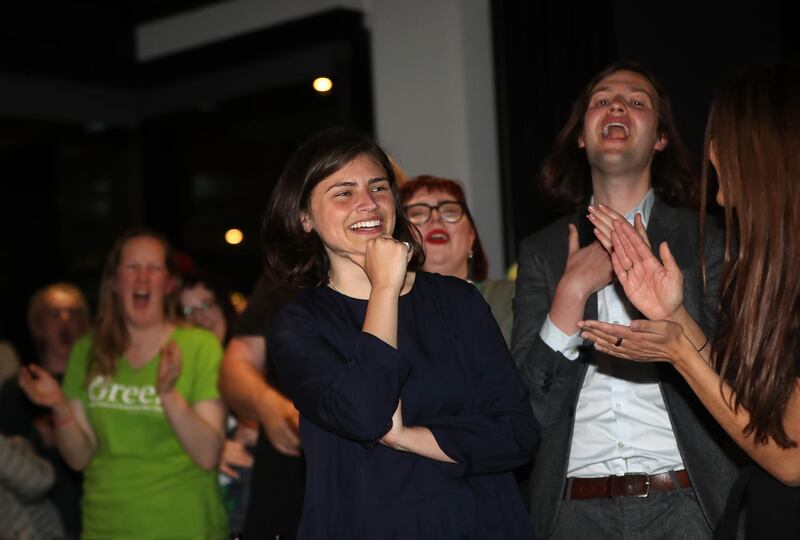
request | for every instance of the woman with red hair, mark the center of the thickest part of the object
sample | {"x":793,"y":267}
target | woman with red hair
{"x":437,"y":207}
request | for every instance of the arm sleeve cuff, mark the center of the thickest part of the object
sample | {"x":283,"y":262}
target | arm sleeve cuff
{"x":559,"y":341}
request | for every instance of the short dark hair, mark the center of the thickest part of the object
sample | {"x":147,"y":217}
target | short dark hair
{"x":479,"y":266}
{"x":212,"y":282}
{"x":296,"y":258}
{"x":565,"y":177}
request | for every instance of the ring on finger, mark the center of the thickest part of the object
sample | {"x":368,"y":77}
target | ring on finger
{"x":619,"y":342}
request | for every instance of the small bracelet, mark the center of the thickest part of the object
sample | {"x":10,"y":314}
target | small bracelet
{"x":703,"y":347}
{"x":59,"y":423}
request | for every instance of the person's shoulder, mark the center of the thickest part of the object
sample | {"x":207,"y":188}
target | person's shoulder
{"x":302,"y":303}
{"x":194,"y":338}
{"x":193,"y":333}
{"x":675,"y":214}
{"x":79,"y":353}
{"x":78,"y":362}
{"x":688,"y":219}
{"x":302,"y":299}
{"x":450,"y":291}
{"x":498,"y":287}
{"x":447,"y":285}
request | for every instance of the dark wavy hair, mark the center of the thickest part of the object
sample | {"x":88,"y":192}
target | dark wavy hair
{"x":754,"y":127}
{"x":221,"y":293}
{"x":295,"y":258}
{"x":479,"y":265}
{"x":565,"y":177}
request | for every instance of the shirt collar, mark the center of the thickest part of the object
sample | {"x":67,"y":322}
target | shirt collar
{"x":644,"y":207}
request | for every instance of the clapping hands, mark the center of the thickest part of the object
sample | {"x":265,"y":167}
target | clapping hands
{"x":169,"y":368}
{"x":654,"y":287}
{"x":40,"y":387}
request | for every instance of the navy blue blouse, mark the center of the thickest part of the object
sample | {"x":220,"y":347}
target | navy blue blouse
{"x":454,"y":375}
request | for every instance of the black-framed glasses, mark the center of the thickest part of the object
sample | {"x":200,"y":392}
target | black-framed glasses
{"x":449,"y":211}
{"x":203,"y":307}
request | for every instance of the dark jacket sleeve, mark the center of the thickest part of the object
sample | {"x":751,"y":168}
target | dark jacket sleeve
{"x":498,"y":432}
{"x":353,"y":395}
{"x":548,"y":374}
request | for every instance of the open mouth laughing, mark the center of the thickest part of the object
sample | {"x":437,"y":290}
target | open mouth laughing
{"x":367,"y":226}
{"x":141,"y":297}
{"x":616,"y":130}
{"x":437,"y":236}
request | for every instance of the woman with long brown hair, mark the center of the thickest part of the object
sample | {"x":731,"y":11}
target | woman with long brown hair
{"x":747,"y":375}
{"x":139,"y":411}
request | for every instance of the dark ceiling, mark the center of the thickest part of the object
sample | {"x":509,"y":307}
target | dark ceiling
{"x":86,"y":41}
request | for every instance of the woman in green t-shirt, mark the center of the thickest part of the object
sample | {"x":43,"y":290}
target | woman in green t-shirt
{"x":139,"y":410}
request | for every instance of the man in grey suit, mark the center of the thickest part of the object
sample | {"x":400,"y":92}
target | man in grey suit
{"x":626,"y":451}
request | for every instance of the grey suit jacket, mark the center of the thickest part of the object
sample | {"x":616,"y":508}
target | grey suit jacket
{"x":554,"y":381}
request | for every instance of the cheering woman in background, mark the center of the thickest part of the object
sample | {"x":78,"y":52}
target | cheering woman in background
{"x":139,"y":411}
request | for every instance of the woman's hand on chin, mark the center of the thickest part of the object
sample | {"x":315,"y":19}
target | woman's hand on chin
{"x":386,"y":263}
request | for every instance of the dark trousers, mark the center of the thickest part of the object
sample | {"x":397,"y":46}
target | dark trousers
{"x":661,"y":515}
{"x":276,"y":494}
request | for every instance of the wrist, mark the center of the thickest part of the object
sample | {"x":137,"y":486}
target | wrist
{"x":395,"y":439}
{"x":678,"y":315}
{"x":62,"y":414}
{"x":569,"y":292}
{"x":385,"y":291}
{"x":266,"y":405}
{"x":169,"y":396}
{"x":684,"y":350}
{"x":567,"y":309}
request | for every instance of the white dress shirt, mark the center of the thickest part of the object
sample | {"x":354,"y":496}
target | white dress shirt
{"x":621,"y":422}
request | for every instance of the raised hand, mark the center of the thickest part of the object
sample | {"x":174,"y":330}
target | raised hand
{"x":386,"y":262}
{"x":642,"y":341}
{"x":40,"y":387}
{"x":603,"y":217}
{"x":589,"y":268}
{"x":169,"y":368}
{"x":655,"y":289}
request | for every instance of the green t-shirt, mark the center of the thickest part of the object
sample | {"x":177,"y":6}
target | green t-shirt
{"x":141,"y":484}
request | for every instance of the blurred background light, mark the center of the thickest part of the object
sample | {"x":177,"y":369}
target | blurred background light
{"x":234,"y":236}
{"x":323,"y":85}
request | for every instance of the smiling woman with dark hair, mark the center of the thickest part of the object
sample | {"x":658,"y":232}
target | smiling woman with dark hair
{"x":412,"y":412}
